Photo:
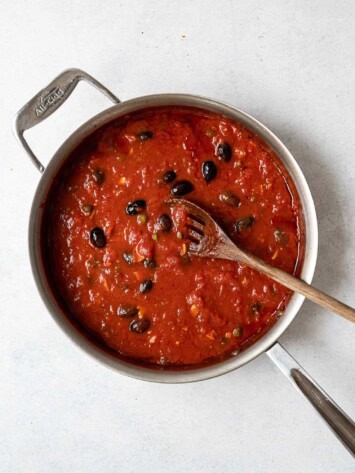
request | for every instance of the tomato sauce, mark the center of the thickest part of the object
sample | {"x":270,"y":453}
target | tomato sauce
{"x":117,"y":254}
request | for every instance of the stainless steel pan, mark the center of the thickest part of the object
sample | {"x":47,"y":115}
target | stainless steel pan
{"x":51,"y":98}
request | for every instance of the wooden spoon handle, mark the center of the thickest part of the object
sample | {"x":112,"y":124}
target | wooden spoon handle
{"x":293,"y":283}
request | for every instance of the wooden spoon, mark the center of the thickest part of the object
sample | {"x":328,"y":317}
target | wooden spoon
{"x":208,"y":240}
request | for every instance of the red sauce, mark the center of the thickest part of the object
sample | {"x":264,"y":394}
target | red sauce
{"x":191,"y":310}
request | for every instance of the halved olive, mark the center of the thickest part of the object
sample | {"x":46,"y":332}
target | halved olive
{"x":209,"y":170}
{"x":145,"y":135}
{"x":127,"y":311}
{"x":181,"y":188}
{"x":244,"y":222}
{"x":136,"y":207}
{"x":165,"y":223}
{"x":99,"y":176}
{"x":128,"y":257}
{"x":224,"y":152}
{"x":139,"y":325}
{"x":229,"y":198}
{"x":169,"y":176}
{"x":97,"y":237}
{"x":146,"y":286}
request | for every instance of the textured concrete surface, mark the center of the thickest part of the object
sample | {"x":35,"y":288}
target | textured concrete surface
{"x":290,"y":64}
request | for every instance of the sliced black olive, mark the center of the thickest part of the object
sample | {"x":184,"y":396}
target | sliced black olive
{"x":244,"y":222}
{"x":224,"y":152}
{"x":145,"y":135}
{"x":128,"y":257}
{"x":146,"y":286}
{"x":165,"y":223}
{"x":149,"y":263}
{"x":127,"y":311}
{"x":97,"y":237}
{"x":87,"y":209}
{"x":136,"y":207}
{"x":209,"y":170}
{"x":229,"y":198}
{"x":169,"y":176}
{"x":181,"y":188}
{"x":99,"y":176}
{"x":139,"y":325}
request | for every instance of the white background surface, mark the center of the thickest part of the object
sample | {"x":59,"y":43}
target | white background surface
{"x":291,"y":65}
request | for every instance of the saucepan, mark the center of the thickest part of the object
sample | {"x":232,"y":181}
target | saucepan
{"x":50,"y":99}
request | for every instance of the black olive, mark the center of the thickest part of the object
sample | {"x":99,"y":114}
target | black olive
{"x":99,"y":176}
{"x":229,"y":199}
{"x":244,"y":222}
{"x":165,"y":223}
{"x":224,"y":152}
{"x":209,"y":170}
{"x":145,"y":135}
{"x":128,"y":257}
{"x":169,"y":176}
{"x":127,"y":311}
{"x":146,"y":286}
{"x":97,"y":237}
{"x":136,"y":207}
{"x":181,"y":188}
{"x":149,"y":263}
{"x":139,"y":325}
{"x":87,"y":209}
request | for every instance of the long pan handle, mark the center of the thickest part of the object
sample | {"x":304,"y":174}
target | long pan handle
{"x":339,"y":422}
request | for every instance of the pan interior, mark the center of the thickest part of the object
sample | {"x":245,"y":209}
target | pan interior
{"x":91,"y":346}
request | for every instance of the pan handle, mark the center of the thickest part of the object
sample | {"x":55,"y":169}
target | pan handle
{"x":47,"y":101}
{"x":339,"y":422}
